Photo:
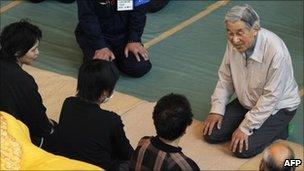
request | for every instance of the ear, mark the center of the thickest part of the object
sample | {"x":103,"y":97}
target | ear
{"x":104,"y":94}
{"x":255,"y":32}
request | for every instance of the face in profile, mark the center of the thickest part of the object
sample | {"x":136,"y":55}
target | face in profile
{"x":31,"y":55}
{"x":240,"y":36}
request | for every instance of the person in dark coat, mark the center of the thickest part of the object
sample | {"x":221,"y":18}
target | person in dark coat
{"x":19,"y":94}
{"x":86,"y":131}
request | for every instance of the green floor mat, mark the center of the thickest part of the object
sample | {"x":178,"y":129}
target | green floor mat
{"x":171,"y":15}
{"x":184,"y":63}
{"x":4,"y":3}
{"x":296,"y":126}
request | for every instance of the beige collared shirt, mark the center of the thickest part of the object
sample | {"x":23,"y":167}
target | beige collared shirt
{"x":264,"y":86}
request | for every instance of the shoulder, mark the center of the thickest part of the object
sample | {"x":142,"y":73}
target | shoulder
{"x":13,"y":69}
{"x":112,"y":118}
{"x":183,"y":162}
{"x":13,"y":74}
{"x":112,"y":115}
{"x":143,"y":144}
{"x":69,"y":100}
{"x":144,"y":140}
{"x":192,"y":163}
{"x":271,"y":42}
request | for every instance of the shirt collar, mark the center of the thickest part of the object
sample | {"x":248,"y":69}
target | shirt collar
{"x":258,"y":49}
{"x":163,"y":146}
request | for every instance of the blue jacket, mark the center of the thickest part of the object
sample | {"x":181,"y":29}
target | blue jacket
{"x":98,"y":18}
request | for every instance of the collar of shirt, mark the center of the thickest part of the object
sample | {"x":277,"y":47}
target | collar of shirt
{"x":85,"y":102}
{"x":250,"y":50}
{"x":163,"y":146}
{"x":257,"y":54}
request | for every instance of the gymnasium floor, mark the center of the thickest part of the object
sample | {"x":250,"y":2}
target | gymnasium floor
{"x":185,"y":61}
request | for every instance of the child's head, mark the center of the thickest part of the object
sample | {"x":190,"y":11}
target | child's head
{"x":19,"y":42}
{"x":172,"y":115}
{"x":96,"y":80}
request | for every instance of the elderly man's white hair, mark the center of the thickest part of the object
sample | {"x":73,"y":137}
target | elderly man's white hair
{"x":244,"y":13}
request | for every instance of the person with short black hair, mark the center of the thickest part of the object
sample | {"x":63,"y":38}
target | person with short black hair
{"x":19,"y":94}
{"x":172,"y":115}
{"x":274,"y":158}
{"x":87,"y":132}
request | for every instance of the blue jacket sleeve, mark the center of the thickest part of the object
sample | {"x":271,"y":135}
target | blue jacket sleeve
{"x":137,"y":23}
{"x":89,"y":23}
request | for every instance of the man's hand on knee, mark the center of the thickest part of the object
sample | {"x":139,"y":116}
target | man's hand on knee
{"x":240,"y":139}
{"x":105,"y":54}
{"x":137,"y":49}
{"x":212,"y":120}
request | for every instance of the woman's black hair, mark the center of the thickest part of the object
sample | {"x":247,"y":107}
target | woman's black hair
{"x":96,"y":77}
{"x":16,"y":39}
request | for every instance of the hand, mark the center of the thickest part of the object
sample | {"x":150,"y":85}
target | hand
{"x":105,"y":54}
{"x":51,"y":121}
{"x":54,"y":125}
{"x":239,"y":137}
{"x":137,"y":49}
{"x":210,"y":121}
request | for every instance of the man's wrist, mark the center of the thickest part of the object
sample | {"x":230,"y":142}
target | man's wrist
{"x":245,"y":130}
{"x":133,"y":41}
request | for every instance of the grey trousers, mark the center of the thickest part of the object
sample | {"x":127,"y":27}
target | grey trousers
{"x":275,"y":127}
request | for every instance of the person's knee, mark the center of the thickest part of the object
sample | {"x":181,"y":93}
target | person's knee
{"x":245,"y":154}
{"x":142,"y":70}
{"x":137,"y":70}
{"x":211,"y":139}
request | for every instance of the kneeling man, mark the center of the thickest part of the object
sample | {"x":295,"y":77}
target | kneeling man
{"x":256,"y":67}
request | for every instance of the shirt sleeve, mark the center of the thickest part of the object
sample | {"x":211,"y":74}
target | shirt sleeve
{"x":89,"y":23}
{"x":137,"y":23}
{"x":272,"y":93}
{"x":122,"y":144}
{"x":224,"y":87}
{"x":33,"y":109}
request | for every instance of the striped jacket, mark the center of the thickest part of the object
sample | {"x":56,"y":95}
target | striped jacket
{"x":152,"y":154}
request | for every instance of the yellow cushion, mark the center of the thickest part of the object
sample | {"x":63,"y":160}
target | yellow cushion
{"x":17,"y":151}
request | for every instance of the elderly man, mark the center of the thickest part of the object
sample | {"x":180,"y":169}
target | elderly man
{"x":274,"y":158}
{"x":256,"y":67}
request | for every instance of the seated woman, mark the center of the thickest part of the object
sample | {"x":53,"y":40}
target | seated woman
{"x":88,"y":133}
{"x":19,"y":94}
{"x":18,"y":153}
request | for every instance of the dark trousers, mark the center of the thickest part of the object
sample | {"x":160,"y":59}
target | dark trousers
{"x":275,"y":127}
{"x":129,"y":66}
